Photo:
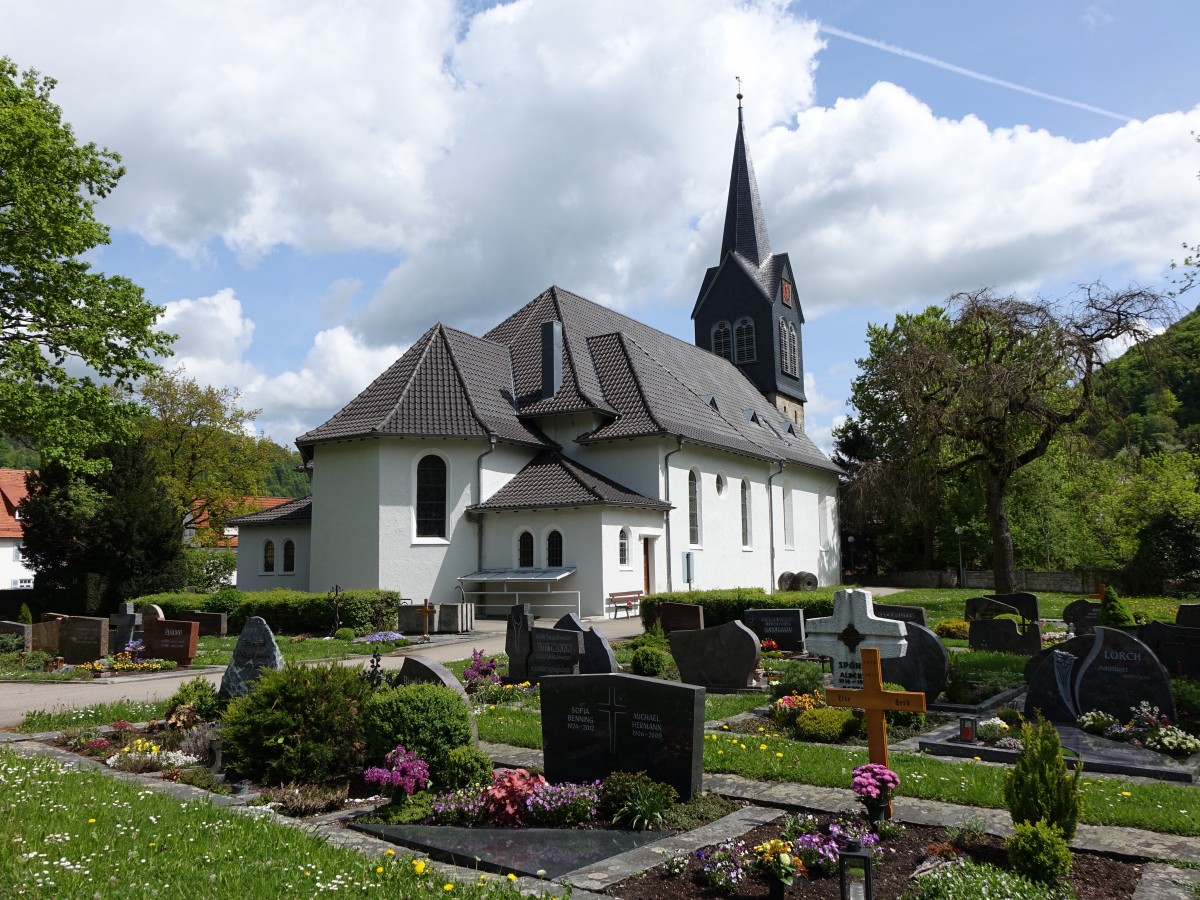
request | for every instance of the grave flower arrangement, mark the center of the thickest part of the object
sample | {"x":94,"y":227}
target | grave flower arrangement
{"x":874,"y":784}
{"x":724,"y":866}
{"x":786,"y":709}
{"x":406,"y":774}
{"x":143,"y":755}
{"x":991,"y":730}
{"x":127,"y":663}
{"x":775,"y":859}
{"x":1147,"y":727}
{"x":817,"y":848}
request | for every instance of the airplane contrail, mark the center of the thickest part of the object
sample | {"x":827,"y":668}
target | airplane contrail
{"x":978,"y":76}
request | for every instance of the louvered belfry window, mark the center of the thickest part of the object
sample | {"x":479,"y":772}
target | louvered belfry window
{"x":743,"y":340}
{"x":722,"y":340}
{"x":431,"y":497}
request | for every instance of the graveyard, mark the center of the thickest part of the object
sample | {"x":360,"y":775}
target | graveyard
{"x":634,"y":768}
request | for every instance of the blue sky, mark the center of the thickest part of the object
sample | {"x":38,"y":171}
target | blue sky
{"x":311,"y":185}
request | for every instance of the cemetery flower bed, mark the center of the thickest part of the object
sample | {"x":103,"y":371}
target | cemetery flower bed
{"x":1093,"y":876}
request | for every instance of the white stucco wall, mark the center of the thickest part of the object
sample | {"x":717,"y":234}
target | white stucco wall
{"x":12,"y":564}
{"x":345,"y":522}
{"x":251,"y":543}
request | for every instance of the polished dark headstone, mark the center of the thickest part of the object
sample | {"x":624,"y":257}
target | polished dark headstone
{"x":554,"y":652}
{"x":594,"y":725}
{"x":914,"y":615}
{"x":121,"y":627}
{"x":984,"y":608}
{"x":173,"y":640}
{"x":1108,"y":670}
{"x":1004,"y":636}
{"x":422,"y":670}
{"x":83,"y":639}
{"x":783,"y":626}
{"x":255,"y":650}
{"x":212,"y":624}
{"x":1188,"y":615}
{"x":721,"y":659}
{"x":1177,"y":647}
{"x":517,"y":642}
{"x":677,"y":616}
{"x":1082,"y":616}
{"x":532,"y":852}
{"x":1024,"y":603}
{"x":924,"y":667}
{"x":598,"y":657}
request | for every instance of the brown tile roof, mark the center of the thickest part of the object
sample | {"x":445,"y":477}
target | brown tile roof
{"x":12,"y":492}
{"x":298,"y":509}
{"x":552,"y":480}
{"x":448,"y":383}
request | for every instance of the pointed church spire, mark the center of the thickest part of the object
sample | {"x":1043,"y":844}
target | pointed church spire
{"x":745,"y":227}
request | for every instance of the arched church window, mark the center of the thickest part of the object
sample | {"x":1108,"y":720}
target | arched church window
{"x":743,"y":340}
{"x":745,"y":513}
{"x":269,"y":557}
{"x":431,"y":497}
{"x":693,"y":508}
{"x":554,"y":549}
{"x":289,"y":556}
{"x":722,"y":340}
{"x":525,"y":550}
{"x":623,"y":547}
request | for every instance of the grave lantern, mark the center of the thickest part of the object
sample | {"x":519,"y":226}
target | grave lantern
{"x":854,"y":871}
{"x":967,"y":726}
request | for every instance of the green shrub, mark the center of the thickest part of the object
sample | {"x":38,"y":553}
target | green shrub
{"x":971,"y":880}
{"x":287,"y":611}
{"x":721,"y":606}
{"x":428,"y":719}
{"x":200,"y":695}
{"x":466,"y":767}
{"x":25,"y":615}
{"x":1038,"y":851}
{"x":1038,"y":786}
{"x":344,"y":634}
{"x":649,"y":662}
{"x":653,"y":637}
{"x":1010,"y":716}
{"x":637,"y":794}
{"x":800,"y":677}
{"x":298,"y":724}
{"x":1115,"y":612}
{"x":902,"y":718}
{"x":953,"y":628}
{"x":11,"y":643}
{"x":828,"y":725}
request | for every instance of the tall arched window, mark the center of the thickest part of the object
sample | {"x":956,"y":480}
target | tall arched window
{"x":525,"y":550}
{"x":784,"y":365}
{"x":693,"y":508}
{"x":269,"y":557}
{"x":793,"y":350}
{"x":721,"y":339}
{"x":745,"y":513}
{"x":289,"y":556}
{"x":623,"y":547}
{"x":554,"y":549}
{"x":743,"y":340}
{"x":789,"y":521}
{"x":431,"y":497}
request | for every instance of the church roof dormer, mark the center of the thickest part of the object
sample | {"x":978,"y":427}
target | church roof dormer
{"x":745,"y":227}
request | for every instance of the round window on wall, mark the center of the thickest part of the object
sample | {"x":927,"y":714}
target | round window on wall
{"x":720,"y":485}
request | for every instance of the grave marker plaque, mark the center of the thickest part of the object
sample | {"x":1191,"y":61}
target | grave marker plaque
{"x":722,"y":659}
{"x":1177,"y":647}
{"x":854,"y":625}
{"x":168,"y":639}
{"x":783,"y":626}
{"x":82,"y":639}
{"x":212,"y":624}
{"x":1004,"y":636}
{"x":1082,"y":617}
{"x":255,"y":650}
{"x":598,"y":656}
{"x":554,"y":652}
{"x":678,"y":616}
{"x":594,"y":725}
{"x":909,"y":615}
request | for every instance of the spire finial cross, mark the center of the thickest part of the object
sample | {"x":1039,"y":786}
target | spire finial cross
{"x":738,"y":78}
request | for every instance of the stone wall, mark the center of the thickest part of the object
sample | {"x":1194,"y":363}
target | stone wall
{"x":1081,"y":582}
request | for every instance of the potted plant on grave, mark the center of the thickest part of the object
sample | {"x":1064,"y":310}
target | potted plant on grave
{"x":875,"y":785}
{"x":778,"y":863}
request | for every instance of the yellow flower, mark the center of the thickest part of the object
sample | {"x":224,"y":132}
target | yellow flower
{"x":724,"y":727}
{"x":389,"y":852}
{"x":91,"y":821}
{"x":976,"y":758}
{"x":511,"y":877}
{"x":1126,"y":794}
{"x":779,"y":756}
{"x":447,"y":887}
{"x":419,"y":866}
{"x":379,"y":870}
{"x":760,"y":728}
{"x":762,"y":746}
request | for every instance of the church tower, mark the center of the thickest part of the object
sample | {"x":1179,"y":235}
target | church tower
{"x":747,"y":310}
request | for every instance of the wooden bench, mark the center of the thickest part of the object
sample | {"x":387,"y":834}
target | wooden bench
{"x":628,"y":602}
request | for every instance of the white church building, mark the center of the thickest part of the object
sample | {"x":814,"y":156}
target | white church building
{"x":573,"y":452}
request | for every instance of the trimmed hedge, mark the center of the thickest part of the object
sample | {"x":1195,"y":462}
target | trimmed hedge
{"x":287,"y":612}
{"x":723,"y":606}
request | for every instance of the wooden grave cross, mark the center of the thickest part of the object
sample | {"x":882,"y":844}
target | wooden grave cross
{"x":876,"y":701}
{"x":425,"y":612}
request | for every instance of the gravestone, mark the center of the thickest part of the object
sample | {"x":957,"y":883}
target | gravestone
{"x":1004,"y":636}
{"x":1177,"y":647}
{"x":722,"y":659}
{"x":255,"y":650}
{"x":1108,"y":670}
{"x":783,"y":626}
{"x":853,"y":625}
{"x":677,"y":616}
{"x":82,"y":639}
{"x":1081,"y":616}
{"x":594,"y":725}
{"x":420,"y":618}
{"x":1188,"y":615}
{"x":19,"y":628}
{"x":554,"y":652}
{"x":422,"y":670}
{"x":44,"y":635}
{"x":121,"y":627}
{"x":909,"y":615}
{"x":152,"y":611}
{"x":986,"y":608}
{"x":456,"y":618}
{"x":212,"y":624}
{"x":173,"y":640}
{"x":598,"y":657}
{"x":1023,"y":602}
{"x":925,"y":667}
{"x":517,"y":642}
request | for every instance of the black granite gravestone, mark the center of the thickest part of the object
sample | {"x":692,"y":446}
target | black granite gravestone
{"x":1081,"y":616}
{"x":1024,"y":603}
{"x":594,"y":725}
{"x":1004,"y":636}
{"x":924,"y":667}
{"x":554,"y":652}
{"x":983,"y":608}
{"x":422,"y":670}
{"x":517,"y":643}
{"x":83,"y":639}
{"x":677,"y":616}
{"x":1188,"y":615}
{"x":721,"y":659}
{"x":914,"y":615}
{"x":1108,"y":670}
{"x":1176,"y":647}
{"x":783,"y":626}
{"x":255,"y":650}
{"x":121,"y":627}
{"x":598,"y":657}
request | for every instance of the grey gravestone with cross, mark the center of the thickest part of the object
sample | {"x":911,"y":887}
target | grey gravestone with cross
{"x":518,"y":643}
{"x":594,"y":725}
{"x":852,"y":626}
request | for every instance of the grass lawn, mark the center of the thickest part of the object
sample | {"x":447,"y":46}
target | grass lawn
{"x":950,"y":603}
{"x":218,"y":651}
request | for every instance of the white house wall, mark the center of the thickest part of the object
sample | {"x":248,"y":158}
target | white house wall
{"x":251,"y":543}
{"x":13,"y":571}
{"x":345,"y":522}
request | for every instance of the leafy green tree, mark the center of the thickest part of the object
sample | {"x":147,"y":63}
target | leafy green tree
{"x":102,"y":538}
{"x":209,"y":569}
{"x":284,"y":480}
{"x":984,"y":387}
{"x":208,"y":462}
{"x":56,"y":313}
